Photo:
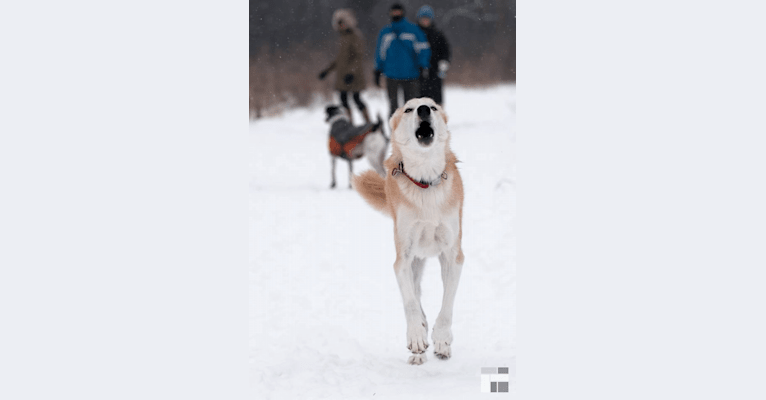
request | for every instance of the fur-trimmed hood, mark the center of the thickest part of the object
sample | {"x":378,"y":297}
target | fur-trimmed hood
{"x":346,"y":15}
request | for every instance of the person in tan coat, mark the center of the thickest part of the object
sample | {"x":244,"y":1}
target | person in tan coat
{"x":348,"y":63}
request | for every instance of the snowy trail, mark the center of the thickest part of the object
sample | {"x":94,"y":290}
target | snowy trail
{"x":326,"y":316}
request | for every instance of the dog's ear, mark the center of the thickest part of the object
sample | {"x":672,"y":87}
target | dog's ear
{"x":394,"y":121}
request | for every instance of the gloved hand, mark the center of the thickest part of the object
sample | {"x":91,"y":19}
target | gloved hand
{"x":424,"y":73}
{"x":443,"y":67}
{"x":348,"y":79}
{"x":322,"y":74}
{"x":377,"y":74}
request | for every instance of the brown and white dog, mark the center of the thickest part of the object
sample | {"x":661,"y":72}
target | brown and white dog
{"x":423,"y":193}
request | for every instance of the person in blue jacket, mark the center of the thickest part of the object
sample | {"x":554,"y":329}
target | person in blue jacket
{"x":403,"y":56}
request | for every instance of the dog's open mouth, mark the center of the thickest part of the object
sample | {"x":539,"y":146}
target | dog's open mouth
{"x":425,"y":133}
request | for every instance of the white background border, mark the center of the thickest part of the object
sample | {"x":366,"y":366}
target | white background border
{"x":641,"y":139}
{"x":124,"y":206}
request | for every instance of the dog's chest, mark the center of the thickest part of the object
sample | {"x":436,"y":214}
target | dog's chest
{"x":427,"y":234}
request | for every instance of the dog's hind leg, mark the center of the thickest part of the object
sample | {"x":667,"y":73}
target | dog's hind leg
{"x":350,"y":172}
{"x":375,"y":151}
{"x":452,"y":264}
{"x":332,"y":185}
{"x":417,"y":335}
{"x":381,"y":162}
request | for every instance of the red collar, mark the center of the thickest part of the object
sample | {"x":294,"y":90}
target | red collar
{"x":421,"y":184}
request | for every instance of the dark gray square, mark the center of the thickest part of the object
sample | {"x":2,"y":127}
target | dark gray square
{"x":493,"y":387}
{"x":502,"y":370}
{"x":502,"y":386}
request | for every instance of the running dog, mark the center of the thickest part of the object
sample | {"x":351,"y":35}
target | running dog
{"x":424,"y":195}
{"x":354,"y":142}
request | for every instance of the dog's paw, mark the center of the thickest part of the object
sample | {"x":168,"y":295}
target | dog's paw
{"x":442,"y":350}
{"x":442,"y":339}
{"x":417,"y":339}
{"x":417,"y":359}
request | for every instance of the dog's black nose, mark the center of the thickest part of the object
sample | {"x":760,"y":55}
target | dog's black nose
{"x":424,"y":111}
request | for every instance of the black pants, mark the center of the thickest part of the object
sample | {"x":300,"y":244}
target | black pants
{"x":432,"y":87}
{"x":411,"y":88}
{"x":357,"y":100}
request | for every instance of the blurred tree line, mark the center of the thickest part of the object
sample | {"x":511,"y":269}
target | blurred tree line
{"x":292,"y":40}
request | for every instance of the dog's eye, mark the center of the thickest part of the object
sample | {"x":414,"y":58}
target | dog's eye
{"x":433,"y":108}
{"x":407,"y":110}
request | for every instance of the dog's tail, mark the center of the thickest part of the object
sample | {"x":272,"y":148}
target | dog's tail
{"x":372,"y":188}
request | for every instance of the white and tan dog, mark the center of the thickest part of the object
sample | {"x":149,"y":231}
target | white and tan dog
{"x":424,"y":195}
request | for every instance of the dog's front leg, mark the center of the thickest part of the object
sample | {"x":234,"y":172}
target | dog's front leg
{"x":418,"y":265}
{"x":452,"y":264}
{"x":417,"y":334}
{"x":332,"y":185}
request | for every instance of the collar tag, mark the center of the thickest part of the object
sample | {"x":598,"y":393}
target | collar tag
{"x":398,"y":170}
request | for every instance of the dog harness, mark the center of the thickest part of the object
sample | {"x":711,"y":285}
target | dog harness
{"x":421,"y":184}
{"x":344,"y":137}
{"x":344,"y":150}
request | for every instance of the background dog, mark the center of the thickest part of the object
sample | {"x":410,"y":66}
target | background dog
{"x":353,"y":142}
{"x":424,"y":195}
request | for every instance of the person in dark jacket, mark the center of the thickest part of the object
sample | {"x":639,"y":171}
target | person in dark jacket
{"x":348,"y":64}
{"x":431,"y":86}
{"x":402,"y":55}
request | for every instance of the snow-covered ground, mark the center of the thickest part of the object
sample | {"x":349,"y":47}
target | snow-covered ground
{"x":326,"y":316}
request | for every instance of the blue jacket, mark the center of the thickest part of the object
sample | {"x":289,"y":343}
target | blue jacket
{"x":402,"y":50}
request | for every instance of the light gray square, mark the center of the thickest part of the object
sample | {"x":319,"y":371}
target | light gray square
{"x":488,"y":370}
